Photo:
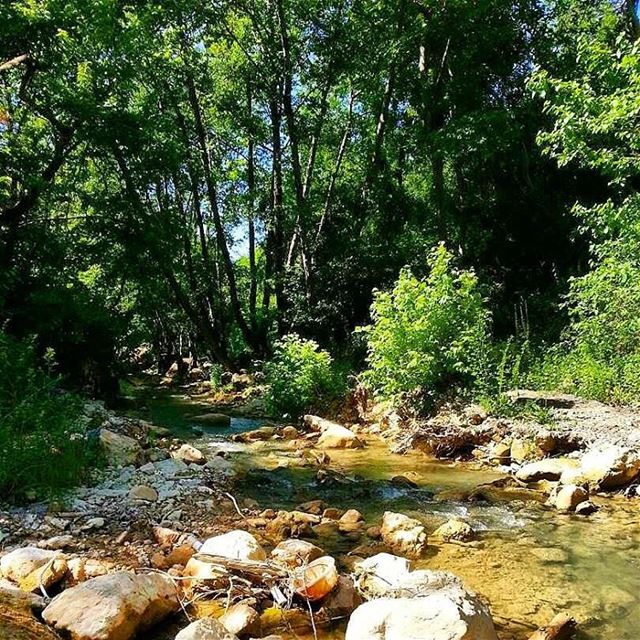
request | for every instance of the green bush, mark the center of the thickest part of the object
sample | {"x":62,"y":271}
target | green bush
{"x":427,"y":334}
{"x":215,"y":376}
{"x":43,"y":446}
{"x":299,"y":376}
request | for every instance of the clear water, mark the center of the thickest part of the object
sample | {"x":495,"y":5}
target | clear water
{"x":530,"y":563}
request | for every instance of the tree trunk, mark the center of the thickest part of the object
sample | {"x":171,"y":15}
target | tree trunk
{"x":251,"y":187}
{"x":215,"y":211}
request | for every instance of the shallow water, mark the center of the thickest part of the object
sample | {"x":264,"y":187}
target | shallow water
{"x":530,"y":562}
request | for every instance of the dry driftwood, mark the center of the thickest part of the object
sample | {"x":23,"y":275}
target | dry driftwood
{"x":562,"y":627}
{"x":253,"y":571}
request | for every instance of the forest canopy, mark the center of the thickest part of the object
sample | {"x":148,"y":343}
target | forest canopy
{"x":206,"y":178}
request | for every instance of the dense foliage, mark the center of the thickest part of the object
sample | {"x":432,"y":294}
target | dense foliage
{"x":300,"y":376}
{"x":206,"y":178}
{"x":42,"y":438}
{"x":594,"y":112}
{"x":428,"y":333}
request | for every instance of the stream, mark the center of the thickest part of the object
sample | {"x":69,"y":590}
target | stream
{"x":529,"y":562}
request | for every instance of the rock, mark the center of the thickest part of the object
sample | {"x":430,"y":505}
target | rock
{"x":566,"y":498}
{"x":342,"y":601}
{"x":205,"y":629}
{"x":113,"y":607}
{"x":448,"y":612}
{"x":376,"y":575}
{"x":199,"y":570}
{"x":404,"y":482}
{"x":220,"y":464}
{"x":216,"y":419}
{"x":81,"y":569}
{"x":290,"y":433}
{"x":295,"y":553}
{"x":586,"y":508}
{"x":143,"y":492}
{"x":155,"y":454}
{"x":352,"y":516}
{"x":93,"y":523}
{"x":562,"y":627}
{"x":17,"y":621}
{"x":240,"y":619}
{"x":332,"y":513}
{"x":159,"y":432}
{"x":171,"y":468}
{"x":605,"y":468}
{"x":315,"y":507}
{"x":501,"y":453}
{"x":189,"y":454}
{"x":406,"y":536}
{"x":475,"y":414}
{"x":238,"y":545}
{"x":180,"y":555}
{"x":30,"y":567}
{"x":546,"y":442}
{"x":15,"y":596}
{"x":166,"y":537}
{"x":542,"y":398}
{"x":336,"y":436}
{"x":374,"y":533}
{"x":454,"y":529}
{"x":523,"y":450}
{"x":548,"y":469}
{"x":317,"y":579}
{"x":56,"y":543}
{"x":119,"y":450}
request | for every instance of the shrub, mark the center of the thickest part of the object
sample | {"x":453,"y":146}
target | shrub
{"x":428,"y":333}
{"x":43,"y":446}
{"x":299,"y":376}
{"x":215,"y":376}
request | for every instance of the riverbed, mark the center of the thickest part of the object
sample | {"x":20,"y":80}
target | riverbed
{"x":529,"y":562}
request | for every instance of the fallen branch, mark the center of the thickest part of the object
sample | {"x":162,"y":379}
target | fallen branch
{"x":252,"y":570}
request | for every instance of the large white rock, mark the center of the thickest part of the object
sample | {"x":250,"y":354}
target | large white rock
{"x":339,"y":437}
{"x":604,"y":468}
{"x":548,"y":469}
{"x":567,"y":497}
{"x":332,"y":434}
{"x":406,"y":536}
{"x":205,"y":629}
{"x":119,"y":450}
{"x":429,"y":606}
{"x":237,"y":545}
{"x":113,"y":607}
{"x":189,"y":454}
{"x":374,"y":576}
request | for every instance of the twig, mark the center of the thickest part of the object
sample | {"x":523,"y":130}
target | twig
{"x":235,"y":504}
{"x":41,"y":575}
{"x":313,"y":622}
